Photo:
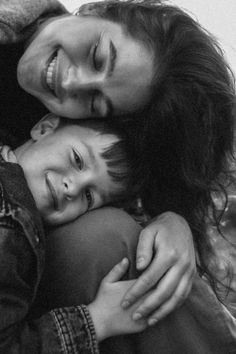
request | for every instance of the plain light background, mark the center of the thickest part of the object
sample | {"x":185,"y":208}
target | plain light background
{"x":217,"y":16}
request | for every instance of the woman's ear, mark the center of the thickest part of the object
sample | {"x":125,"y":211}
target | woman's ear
{"x":45,"y":126}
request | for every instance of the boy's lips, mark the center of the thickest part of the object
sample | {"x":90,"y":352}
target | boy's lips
{"x":52,"y":192}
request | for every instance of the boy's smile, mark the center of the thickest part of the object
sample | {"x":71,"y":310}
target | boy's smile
{"x":64,"y":169}
{"x":52,"y":192}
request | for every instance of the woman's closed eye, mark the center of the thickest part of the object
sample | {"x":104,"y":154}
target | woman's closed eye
{"x":78,"y":160}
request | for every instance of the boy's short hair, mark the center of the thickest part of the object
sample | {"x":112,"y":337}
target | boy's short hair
{"x":118,"y":157}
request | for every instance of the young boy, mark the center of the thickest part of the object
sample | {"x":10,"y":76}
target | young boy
{"x":64,"y":170}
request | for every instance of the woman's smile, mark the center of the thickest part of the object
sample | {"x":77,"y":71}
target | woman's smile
{"x":51,"y":74}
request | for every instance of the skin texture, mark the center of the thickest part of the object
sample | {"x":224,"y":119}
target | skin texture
{"x":64,"y":170}
{"x":99,"y":70}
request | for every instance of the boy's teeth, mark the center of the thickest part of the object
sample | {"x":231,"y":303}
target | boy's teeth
{"x":50,"y":75}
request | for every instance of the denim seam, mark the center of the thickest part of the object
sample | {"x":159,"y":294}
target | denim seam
{"x":57,"y":320}
{"x":91,"y":329}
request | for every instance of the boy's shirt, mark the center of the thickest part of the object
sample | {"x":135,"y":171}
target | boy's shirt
{"x":22,"y":246}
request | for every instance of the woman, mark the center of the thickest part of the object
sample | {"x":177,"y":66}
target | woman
{"x":186,"y":135}
{"x":34,"y":44}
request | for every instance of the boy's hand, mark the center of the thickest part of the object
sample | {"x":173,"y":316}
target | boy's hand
{"x":166,"y":254}
{"x":8,"y":154}
{"x":108,"y":316}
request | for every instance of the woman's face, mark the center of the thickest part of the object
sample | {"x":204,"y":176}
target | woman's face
{"x":82,"y":67}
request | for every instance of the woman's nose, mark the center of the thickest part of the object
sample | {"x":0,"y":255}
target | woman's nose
{"x":80,"y":79}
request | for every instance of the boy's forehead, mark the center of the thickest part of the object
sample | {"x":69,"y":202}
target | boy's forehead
{"x":78,"y":133}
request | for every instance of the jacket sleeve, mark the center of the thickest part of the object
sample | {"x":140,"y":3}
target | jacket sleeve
{"x":63,"y":330}
{"x":17,"y":16}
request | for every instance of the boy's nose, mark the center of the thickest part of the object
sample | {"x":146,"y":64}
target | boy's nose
{"x":80,"y":79}
{"x":75,"y":183}
{"x":72,"y":188}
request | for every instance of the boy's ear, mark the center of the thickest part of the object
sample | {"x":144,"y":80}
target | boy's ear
{"x":45,"y":126}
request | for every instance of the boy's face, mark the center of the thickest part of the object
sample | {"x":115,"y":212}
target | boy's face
{"x":64,"y":169}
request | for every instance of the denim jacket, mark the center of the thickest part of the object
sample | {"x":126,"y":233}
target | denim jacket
{"x":22,"y":244}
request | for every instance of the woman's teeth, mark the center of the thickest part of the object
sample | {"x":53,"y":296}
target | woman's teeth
{"x":51,"y":73}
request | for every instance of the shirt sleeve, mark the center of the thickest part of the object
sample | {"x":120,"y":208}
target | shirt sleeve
{"x":17,"y":16}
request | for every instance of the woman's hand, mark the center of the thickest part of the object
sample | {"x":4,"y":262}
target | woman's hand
{"x":109,"y":318}
{"x":166,"y":254}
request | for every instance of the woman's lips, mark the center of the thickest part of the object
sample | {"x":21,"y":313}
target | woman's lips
{"x":52,"y":192}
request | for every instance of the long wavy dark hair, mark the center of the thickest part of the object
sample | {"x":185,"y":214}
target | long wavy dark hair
{"x":185,"y":134}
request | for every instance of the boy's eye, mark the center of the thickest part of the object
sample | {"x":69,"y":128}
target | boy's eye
{"x":89,"y":198}
{"x":97,"y":60}
{"x":78,"y":160}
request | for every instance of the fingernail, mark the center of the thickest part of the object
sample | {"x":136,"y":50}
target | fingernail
{"x":140,"y":262}
{"x":125,"y":304}
{"x":137,"y":316}
{"x":152,"y":321}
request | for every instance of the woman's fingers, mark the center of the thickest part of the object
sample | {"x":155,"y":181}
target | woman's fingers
{"x":147,"y":280}
{"x":175,"y":300}
{"x":173,"y":288}
{"x":117,"y":271}
{"x":144,"y":252}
